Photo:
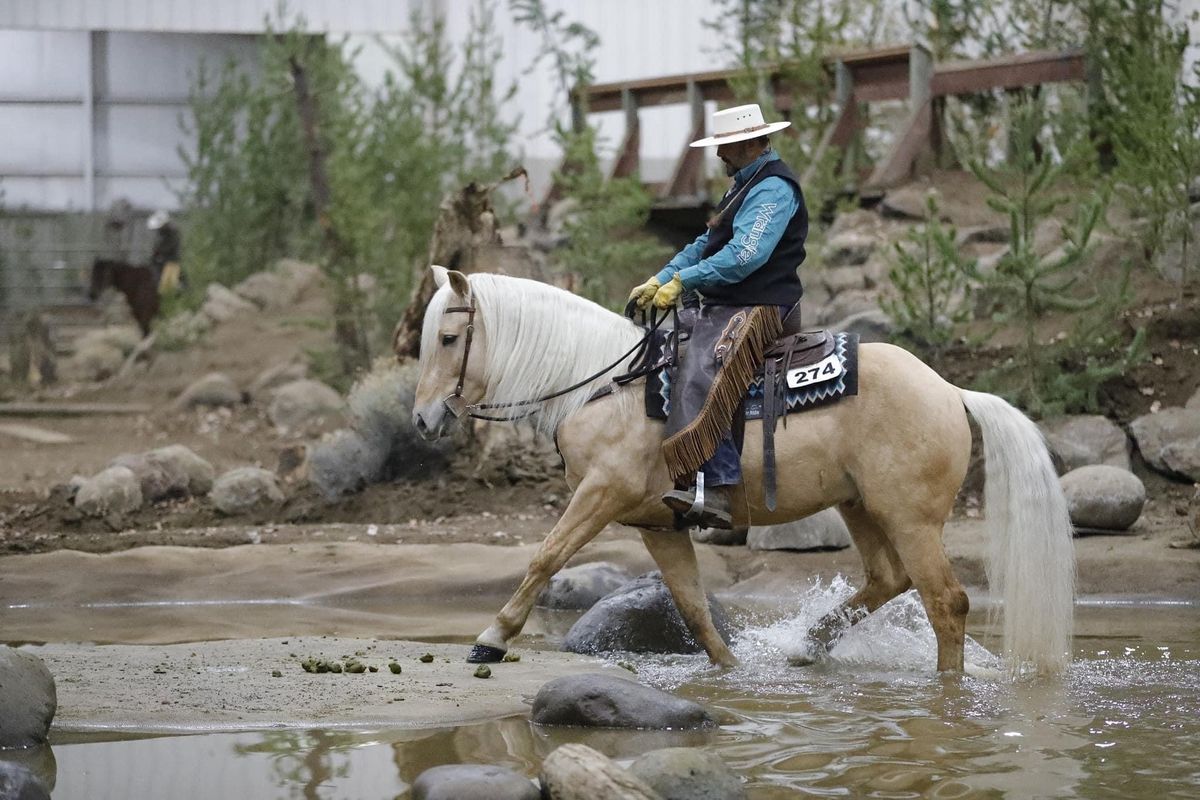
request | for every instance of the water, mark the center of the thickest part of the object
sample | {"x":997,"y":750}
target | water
{"x":874,"y":720}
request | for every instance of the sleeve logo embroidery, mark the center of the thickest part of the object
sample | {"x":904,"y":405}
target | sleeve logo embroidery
{"x":749,"y":241}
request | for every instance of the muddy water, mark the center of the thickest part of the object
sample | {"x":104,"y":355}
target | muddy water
{"x":872,"y":721}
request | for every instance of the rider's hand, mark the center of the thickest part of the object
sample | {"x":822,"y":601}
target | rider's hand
{"x":666,"y":296}
{"x":645,"y":292}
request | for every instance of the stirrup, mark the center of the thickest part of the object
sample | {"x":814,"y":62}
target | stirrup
{"x":695,"y":513}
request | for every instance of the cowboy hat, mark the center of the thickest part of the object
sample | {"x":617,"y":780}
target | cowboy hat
{"x":738,"y":124}
{"x":158,"y":219}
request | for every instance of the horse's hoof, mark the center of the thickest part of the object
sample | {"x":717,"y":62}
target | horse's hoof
{"x":485,"y":654}
{"x":808,"y":655}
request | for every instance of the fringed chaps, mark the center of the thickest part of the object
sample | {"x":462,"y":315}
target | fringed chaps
{"x":726,"y":348}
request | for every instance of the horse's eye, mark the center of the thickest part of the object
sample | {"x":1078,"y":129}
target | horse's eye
{"x":449,"y":338}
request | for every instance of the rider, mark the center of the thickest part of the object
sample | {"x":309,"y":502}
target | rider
{"x":164,"y":258}
{"x":744,"y":267}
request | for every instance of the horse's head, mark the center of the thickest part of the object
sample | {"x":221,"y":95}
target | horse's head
{"x":452,"y":356}
{"x":102,"y":278}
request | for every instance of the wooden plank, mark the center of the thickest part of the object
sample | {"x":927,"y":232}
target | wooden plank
{"x":1023,"y":69}
{"x":688,"y":176}
{"x":31,"y":433}
{"x":71,"y":409}
{"x":628,"y":158}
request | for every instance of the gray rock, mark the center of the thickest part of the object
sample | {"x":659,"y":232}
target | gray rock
{"x":825,"y":530}
{"x":157,"y":479}
{"x":1194,"y":401}
{"x":735,"y":537}
{"x":115,"y":490}
{"x":579,"y":588}
{"x":685,"y":773}
{"x":984,"y":234}
{"x":96,"y":361}
{"x":1168,"y":441}
{"x":640,"y":617}
{"x":1103,"y":497}
{"x":843,"y":279}
{"x":596,"y":700}
{"x":278,"y":375}
{"x":301,"y":403}
{"x":197,"y":474}
{"x":221,"y":304}
{"x":267,"y":290}
{"x":849,"y":303}
{"x":848,"y":248}
{"x":246,"y":489}
{"x":300,"y":275}
{"x":872,"y":325}
{"x":857,"y":220}
{"x":1086,"y":439}
{"x":462,"y":781}
{"x":28,"y":699}
{"x":214,"y":389}
{"x":19,"y":783}
{"x":905,"y":203}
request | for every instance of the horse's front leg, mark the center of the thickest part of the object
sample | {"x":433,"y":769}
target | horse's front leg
{"x":594,"y":505}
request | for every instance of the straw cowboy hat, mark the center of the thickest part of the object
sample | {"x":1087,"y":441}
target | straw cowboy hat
{"x":738,"y":124}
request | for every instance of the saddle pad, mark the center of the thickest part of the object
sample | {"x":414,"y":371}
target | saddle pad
{"x":813,"y":395}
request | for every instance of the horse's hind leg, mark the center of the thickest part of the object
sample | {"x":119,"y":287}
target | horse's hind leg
{"x":884,"y":576}
{"x":946,"y":604}
{"x":676,"y":557}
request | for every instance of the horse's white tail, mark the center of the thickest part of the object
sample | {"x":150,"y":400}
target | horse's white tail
{"x":1031,"y":556}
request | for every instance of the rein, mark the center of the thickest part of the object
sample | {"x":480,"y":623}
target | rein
{"x":457,"y":405}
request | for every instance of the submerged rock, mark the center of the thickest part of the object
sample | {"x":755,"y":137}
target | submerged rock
{"x":115,"y":490}
{"x":1103,"y":497}
{"x":246,"y":489}
{"x":28,"y":699}
{"x":595,"y":700}
{"x":685,"y":773}
{"x":825,"y":530}
{"x":640,"y":617}
{"x":459,"y":781}
{"x":19,"y":783}
{"x":580,"y":588}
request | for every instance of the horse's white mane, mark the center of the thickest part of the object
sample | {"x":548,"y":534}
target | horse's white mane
{"x":539,"y":339}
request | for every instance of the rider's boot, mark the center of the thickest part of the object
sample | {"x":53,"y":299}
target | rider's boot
{"x":712,"y":510}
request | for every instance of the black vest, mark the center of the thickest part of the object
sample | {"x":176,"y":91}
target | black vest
{"x":776,"y":282}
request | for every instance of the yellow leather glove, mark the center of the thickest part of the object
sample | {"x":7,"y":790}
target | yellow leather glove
{"x":645,"y":292}
{"x":666,"y":296}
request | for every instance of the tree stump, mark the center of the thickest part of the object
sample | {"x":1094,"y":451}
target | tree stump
{"x":577,"y":772}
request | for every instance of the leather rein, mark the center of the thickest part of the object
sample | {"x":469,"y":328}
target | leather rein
{"x":457,"y":405}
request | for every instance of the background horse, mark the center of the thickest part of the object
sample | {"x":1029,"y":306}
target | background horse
{"x":138,"y":283}
{"x":891,"y":459}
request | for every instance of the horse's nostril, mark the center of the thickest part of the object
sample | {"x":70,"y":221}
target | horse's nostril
{"x":421,"y":426}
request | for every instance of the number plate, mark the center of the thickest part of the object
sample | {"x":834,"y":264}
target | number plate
{"x":822,"y":371}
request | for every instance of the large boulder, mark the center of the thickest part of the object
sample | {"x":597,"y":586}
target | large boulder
{"x":1086,"y":439}
{"x":839,"y":280}
{"x":1170,"y":441}
{"x":300,"y":275}
{"x":268,"y":290}
{"x":214,"y":389}
{"x":28,"y":699}
{"x":686,"y":773}
{"x":871,"y":325}
{"x":825,"y":530}
{"x":222,"y":304}
{"x":640,"y":617}
{"x":848,"y":248}
{"x":18,"y":782}
{"x":157,"y":479}
{"x":458,"y":781}
{"x":579,"y":588}
{"x":596,"y":700}
{"x":246,"y":490}
{"x":302,"y":403}
{"x":1102,"y":497}
{"x":115,"y":490}
{"x":195,"y":474}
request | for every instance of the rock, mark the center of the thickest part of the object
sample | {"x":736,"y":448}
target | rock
{"x":278,"y":375}
{"x":904,"y":202}
{"x":872,"y":325}
{"x":848,"y":303}
{"x":246,"y":489}
{"x":28,"y":699}
{"x":198,"y":474}
{"x":121,"y":337}
{"x":824,"y":530}
{"x":984,"y":234}
{"x":1168,"y":441}
{"x":1086,"y":439}
{"x":1103,"y":497}
{"x":596,"y":700}
{"x":182,"y":329}
{"x":214,"y":389}
{"x":723,"y":538}
{"x":580,"y":588}
{"x":843,"y":279}
{"x":267,"y":290}
{"x":221,"y":304}
{"x":115,"y":490}
{"x":848,"y":248}
{"x":157,"y":479}
{"x":1193,"y":515}
{"x":685,"y":773}
{"x":457,"y":781}
{"x":1194,"y":401}
{"x":300,"y":275}
{"x":577,"y":772}
{"x":19,"y":783}
{"x":300,"y":403}
{"x":856,"y":220}
{"x":640,"y":617}
{"x":96,"y":361}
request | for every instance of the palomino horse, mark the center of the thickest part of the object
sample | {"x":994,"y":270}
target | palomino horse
{"x":138,"y":283}
{"x":891,"y":459}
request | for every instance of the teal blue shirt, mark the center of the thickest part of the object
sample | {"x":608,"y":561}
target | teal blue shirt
{"x":757,"y":228}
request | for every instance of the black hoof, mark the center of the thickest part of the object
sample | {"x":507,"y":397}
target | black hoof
{"x":485,"y":654}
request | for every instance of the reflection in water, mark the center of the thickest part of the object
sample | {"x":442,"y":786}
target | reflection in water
{"x":874,"y":720}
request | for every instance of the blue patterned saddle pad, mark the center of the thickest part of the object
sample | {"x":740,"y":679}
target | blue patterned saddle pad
{"x":816,"y":390}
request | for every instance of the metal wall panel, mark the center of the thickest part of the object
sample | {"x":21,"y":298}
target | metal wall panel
{"x":42,"y":64}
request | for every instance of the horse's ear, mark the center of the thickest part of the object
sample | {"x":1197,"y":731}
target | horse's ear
{"x":439,"y":275}
{"x":458,"y":282}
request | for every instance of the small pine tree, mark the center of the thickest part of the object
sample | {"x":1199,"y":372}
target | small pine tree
{"x":929,"y":276}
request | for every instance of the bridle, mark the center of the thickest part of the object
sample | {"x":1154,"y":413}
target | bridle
{"x":457,"y":405}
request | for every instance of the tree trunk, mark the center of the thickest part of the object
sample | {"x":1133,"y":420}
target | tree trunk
{"x":31,"y":353}
{"x":577,"y":772}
